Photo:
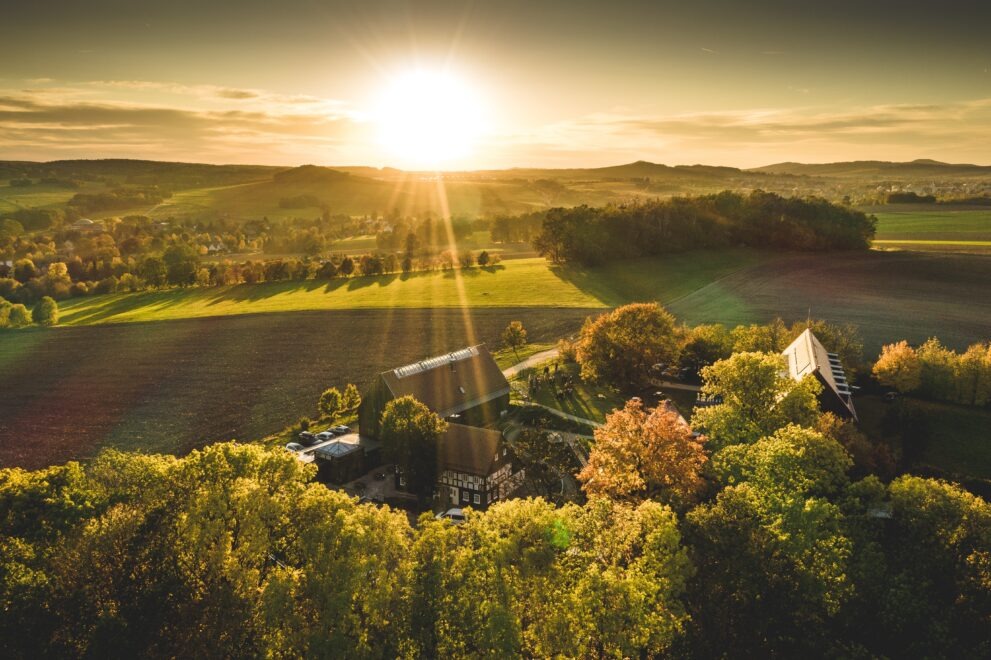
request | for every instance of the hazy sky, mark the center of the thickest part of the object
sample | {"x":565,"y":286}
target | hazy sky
{"x":565,"y":83}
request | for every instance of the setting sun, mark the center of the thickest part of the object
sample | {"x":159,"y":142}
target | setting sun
{"x":428,"y":118}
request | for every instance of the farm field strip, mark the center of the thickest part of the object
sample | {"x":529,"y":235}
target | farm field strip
{"x":173,"y":386}
{"x":888,"y":295}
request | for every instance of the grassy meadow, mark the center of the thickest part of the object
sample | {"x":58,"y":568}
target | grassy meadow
{"x":935,"y":229}
{"x":513,"y":283}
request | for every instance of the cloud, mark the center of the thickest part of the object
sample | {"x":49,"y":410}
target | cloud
{"x":236,"y":94}
{"x":50,"y":124}
{"x":952,"y":131}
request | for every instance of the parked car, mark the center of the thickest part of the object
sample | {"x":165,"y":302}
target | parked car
{"x":307,"y":439}
{"x":456,"y":516}
{"x":324,"y":436}
{"x":340,"y":429}
{"x":294,"y":446}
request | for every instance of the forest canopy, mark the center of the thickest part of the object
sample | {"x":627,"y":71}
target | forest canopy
{"x":589,"y":235}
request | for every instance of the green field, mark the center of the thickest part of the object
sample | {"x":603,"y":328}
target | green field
{"x":513,"y":283}
{"x":935,"y":229}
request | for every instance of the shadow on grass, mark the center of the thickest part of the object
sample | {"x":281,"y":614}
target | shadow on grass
{"x":97,"y":309}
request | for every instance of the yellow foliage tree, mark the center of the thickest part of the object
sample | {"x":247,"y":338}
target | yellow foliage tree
{"x":899,"y":366}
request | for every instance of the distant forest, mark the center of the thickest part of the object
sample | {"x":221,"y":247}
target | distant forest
{"x":594,"y":235}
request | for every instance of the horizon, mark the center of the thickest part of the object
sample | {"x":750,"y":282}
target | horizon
{"x":451,"y":86}
{"x":509,"y":168}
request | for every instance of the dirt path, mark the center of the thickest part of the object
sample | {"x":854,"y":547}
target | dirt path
{"x":531,"y":361}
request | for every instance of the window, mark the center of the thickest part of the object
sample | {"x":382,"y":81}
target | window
{"x":464,"y":496}
{"x":477,"y":499}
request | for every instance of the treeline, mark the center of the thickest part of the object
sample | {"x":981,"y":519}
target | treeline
{"x":594,"y":235}
{"x":180,"y":265}
{"x":16,"y":315}
{"x":915,"y":198}
{"x":119,"y":198}
{"x":936,"y":372}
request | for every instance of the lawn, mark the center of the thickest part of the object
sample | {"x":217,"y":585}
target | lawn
{"x":173,"y":386}
{"x":513,"y":283}
{"x":588,"y":400}
{"x":960,"y":436}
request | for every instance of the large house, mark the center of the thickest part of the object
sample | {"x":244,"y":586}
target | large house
{"x":806,"y":355}
{"x":468,"y":389}
{"x":476,"y":467}
{"x":465,"y":386}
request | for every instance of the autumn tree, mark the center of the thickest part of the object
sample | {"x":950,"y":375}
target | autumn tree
{"x":758,"y":398}
{"x":621,"y":346}
{"x":899,"y":367}
{"x":514,"y":337}
{"x":646,"y":454}
{"x":411,"y":434}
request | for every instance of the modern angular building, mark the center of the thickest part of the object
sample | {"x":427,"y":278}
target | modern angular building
{"x":806,"y":355}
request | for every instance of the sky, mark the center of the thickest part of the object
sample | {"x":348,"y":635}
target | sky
{"x":524,"y":84}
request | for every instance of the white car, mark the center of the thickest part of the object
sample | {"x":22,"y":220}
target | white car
{"x":325,"y":436}
{"x":456,"y":516}
{"x":295,"y":446}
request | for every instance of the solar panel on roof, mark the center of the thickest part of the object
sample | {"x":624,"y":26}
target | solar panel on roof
{"x":434,"y":362}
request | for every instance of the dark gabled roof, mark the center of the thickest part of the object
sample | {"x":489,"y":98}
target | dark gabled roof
{"x":469,"y":449}
{"x":806,"y":355}
{"x":450,"y":383}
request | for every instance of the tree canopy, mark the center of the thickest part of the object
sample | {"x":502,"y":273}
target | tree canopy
{"x":621,"y":346}
{"x":640,"y":454}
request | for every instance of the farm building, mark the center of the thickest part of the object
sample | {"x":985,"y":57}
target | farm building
{"x":476,"y":467}
{"x":343,"y":458}
{"x":806,"y":355}
{"x":466,"y":386}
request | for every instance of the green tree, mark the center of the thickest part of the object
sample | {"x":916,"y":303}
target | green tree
{"x":350,"y":399}
{"x":514,"y":337}
{"x":706,"y":344}
{"x":45,"y":312}
{"x":770,"y":338}
{"x":24,"y":270}
{"x":181,"y":263}
{"x":795,"y":460}
{"x":411,"y":434}
{"x":18,"y":317}
{"x":758,"y":398}
{"x":621,"y":346}
{"x":783,"y":550}
{"x":154,"y":271}
{"x":330,"y":404}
